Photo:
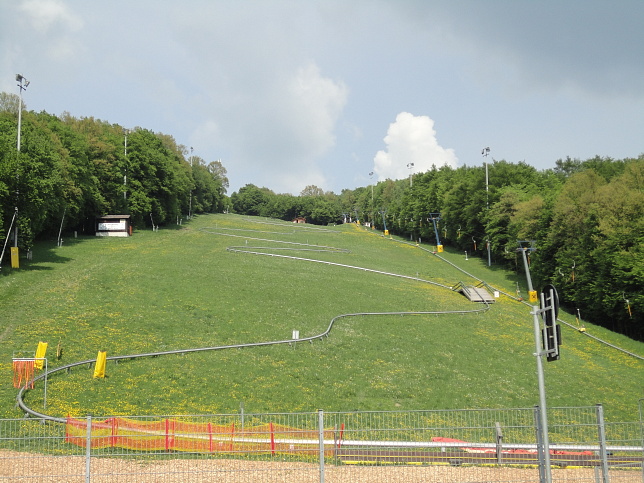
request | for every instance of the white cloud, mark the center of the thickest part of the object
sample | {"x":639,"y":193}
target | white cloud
{"x":265,"y":86}
{"x":284,"y":127}
{"x":317,"y":102}
{"x":54,"y":22}
{"x":45,"y":14}
{"x":411,"y":139}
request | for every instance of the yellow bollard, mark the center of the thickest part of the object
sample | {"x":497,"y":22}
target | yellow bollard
{"x":533,"y":296}
{"x":101,"y":361}
{"x":15,"y":259}
{"x":41,"y":352}
{"x":439,"y":248}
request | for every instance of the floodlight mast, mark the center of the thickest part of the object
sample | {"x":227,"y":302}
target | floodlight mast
{"x":485,"y":153}
{"x":372,"y":214}
{"x":125,"y":133}
{"x":22,"y":85}
{"x":410,"y":166}
{"x":192,"y":178}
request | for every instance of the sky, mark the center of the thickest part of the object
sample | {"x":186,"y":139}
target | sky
{"x":341,"y":94}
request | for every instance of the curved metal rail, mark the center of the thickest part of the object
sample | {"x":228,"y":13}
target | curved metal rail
{"x":250,"y":250}
{"x":28,"y":410}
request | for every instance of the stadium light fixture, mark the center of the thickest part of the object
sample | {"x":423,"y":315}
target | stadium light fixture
{"x":22,"y":85}
{"x":410,"y":166}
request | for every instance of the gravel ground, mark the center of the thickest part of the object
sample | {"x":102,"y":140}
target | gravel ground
{"x":23,"y":467}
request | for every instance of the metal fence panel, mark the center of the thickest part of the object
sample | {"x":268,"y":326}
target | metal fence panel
{"x":35,"y":450}
{"x":386,"y":446}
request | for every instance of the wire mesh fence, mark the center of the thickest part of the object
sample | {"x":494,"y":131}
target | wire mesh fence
{"x":400,"y":446}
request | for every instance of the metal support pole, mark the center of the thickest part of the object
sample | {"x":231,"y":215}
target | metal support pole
{"x":321,"y":436}
{"x":539,"y":434}
{"x":125,"y":132}
{"x":603,"y":455}
{"x":88,"y":450}
{"x":642,"y":431}
{"x":527,"y":269}
{"x":241,"y":411}
{"x":19,"y":120}
{"x":23,"y":84}
{"x":44,"y":404}
{"x":485,"y":153}
{"x":542,"y":396}
{"x":191,"y":181}
{"x":539,"y":353}
{"x":499,"y":443}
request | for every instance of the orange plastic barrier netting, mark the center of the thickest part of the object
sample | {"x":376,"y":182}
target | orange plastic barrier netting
{"x":23,"y":373}
{"x":173,"y":435}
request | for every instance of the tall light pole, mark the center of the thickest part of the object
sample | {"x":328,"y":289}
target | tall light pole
{"x":190,"y":206}
{"x":371,"y":178}
{"x":485,"y":153}
{"x":410,"y":166}
{"x":22,"y":85}
{"x":125,"y":132}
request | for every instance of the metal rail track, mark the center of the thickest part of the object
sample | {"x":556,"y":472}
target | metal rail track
{"x":251,"y":250}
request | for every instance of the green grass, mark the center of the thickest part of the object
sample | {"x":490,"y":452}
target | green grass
{"x":181,"y":288}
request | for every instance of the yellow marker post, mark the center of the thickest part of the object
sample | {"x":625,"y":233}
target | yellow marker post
{"x":41,"y":352}
{"x":439,"y":248}
{"x":386,"y":232}
{"x":15,"y":259}
{"x":532,"y":296}
{"x":101,"y":361}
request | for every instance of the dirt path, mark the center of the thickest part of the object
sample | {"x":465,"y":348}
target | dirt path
{"x":26,"y":467}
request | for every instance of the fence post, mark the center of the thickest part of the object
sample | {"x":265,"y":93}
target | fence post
{"x":540,"y":448}
{"x":499,"y":443}
{"x":88,"y":449}
{"x":321,"y":436}
{"x":639,"y":403}
{"x":602,"y":443}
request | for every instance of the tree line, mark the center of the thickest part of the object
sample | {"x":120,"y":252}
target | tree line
{"x":584,"y":219}
{"x":581,"y":224}
{"x":70,"y":170}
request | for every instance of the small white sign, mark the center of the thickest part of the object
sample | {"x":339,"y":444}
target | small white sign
{"x":112,"y":226}
{"x":296,"y":334}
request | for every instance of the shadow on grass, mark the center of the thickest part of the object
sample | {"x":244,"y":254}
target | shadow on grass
{"x":44,"y":253}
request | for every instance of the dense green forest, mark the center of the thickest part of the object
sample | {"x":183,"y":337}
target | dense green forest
{"x":584,"y":219}
{"x":70,"y":170}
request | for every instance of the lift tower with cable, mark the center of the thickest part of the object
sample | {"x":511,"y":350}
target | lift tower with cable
{"x":384,"y":222}
{"x":435,"y":217}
